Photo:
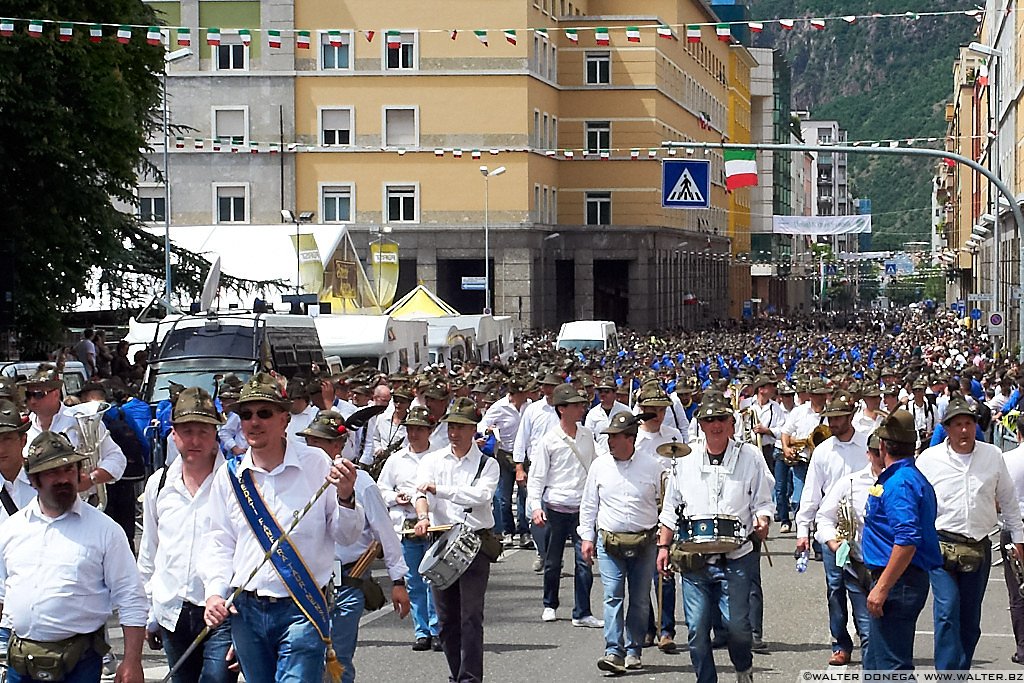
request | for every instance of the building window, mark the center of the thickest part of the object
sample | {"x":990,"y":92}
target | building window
{"x":553,"y":64}
{"x":536,"y":136}
{"x":545,"y":137}
{"x":554,"y":133}
{"x":599,"y":208}
{"x":336,"y":201}
{"x":400,"y":50}
{"x":335,"y":50}
{"x":400,"y":127}
{"x":599,"y":136}
{"x":152,"y":204}
{"x":335,"y":127}
{"x":401,"y":203}
{"x":230,"y":55}
{"x":231,"y":125}
{"x":553,"y":220}
{"x":232,"y":203}
{"x":599,"y":68}
{"x":537,"y":217}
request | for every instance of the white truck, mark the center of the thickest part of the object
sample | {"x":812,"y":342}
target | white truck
{"x":581,"y":335}
{"x":390,"y":345}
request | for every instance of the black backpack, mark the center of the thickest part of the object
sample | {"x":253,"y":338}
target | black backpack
{"x":130,"y":444}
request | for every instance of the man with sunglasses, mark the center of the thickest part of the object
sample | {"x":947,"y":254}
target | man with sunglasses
{"x":274,"y":638}
{"x":47,"y":413}
{"x":720,"y":477}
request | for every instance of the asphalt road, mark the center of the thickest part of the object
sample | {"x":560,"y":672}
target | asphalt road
{"x":520,"y":645}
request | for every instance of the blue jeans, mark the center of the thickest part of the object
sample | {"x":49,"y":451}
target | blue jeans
{"x":666,"y":625}
{"x":783,"y":489}
{"x":88,"y":670}
{"x":207,"y":664}
{"x":733,"y":578}
{"x":859,"y":602}
{"x":624,"y":627}
{"x":891,"y":641}
{"x":956,"y":611}
{"x":835,"y":591}
{"x":275,"y":642}
{"x":504,"y":522}
{"x":799,"y":477}
{"x":562,"y":525}
{"x":424,"y":616}
{"x":349,"y":604}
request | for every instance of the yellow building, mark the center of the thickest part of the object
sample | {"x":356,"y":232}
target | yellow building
{"x":395,"y":131}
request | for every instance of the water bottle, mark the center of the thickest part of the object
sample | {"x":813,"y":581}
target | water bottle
{"x":801,"y":562}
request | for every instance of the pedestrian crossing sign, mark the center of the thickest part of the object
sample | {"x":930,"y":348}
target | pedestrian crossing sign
{"x":686,"y":183}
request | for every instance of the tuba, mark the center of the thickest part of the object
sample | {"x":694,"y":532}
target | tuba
{"x":89,"y":417}
{"x":820,"y":433}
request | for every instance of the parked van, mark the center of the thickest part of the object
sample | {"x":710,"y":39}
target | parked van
{"x":494,"y":336}
{"x":447,"y":342}
{"x":73,"y":373}
{"x":581,"y":335}
{"x":388,"y":344}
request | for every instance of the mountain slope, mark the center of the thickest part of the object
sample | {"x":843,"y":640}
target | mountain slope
{"x":881,"y":79}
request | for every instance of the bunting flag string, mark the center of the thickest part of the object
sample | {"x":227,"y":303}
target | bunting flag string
{"x":602,"y":35}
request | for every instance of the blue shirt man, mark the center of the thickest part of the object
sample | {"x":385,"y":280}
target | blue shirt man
{"x":900,"y":546}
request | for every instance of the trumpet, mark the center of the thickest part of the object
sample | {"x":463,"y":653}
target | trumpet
{"x":89,"y":417}
{"x":1010,"y":551}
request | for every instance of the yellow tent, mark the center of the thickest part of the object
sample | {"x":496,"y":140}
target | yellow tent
{"x":420,"y":303}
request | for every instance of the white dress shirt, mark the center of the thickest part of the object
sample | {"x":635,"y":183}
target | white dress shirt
{"x":174,"y":523}
{"x":457,"y":499}
{"x":864,"y":424}
{"x":675,"y":416}
{"x":1014,"y":461}
{"x":399,"y":475}
{"x":300,"y":421}
{"x":738,"y":487}
{"x":832,"y":460}
{"x":20,"y":490}
{"x":968,"y":488}
{"x":853,"y":486}
{"x":770,"y":415}
{"x":801,"y":421}
{"x":538,"y":418}
{"x":110,"y":459}
{"x":230,"y":433}
{"x":926,"y":416}
{"x":620,"y":496}
{"x":231,"y":550}
{"x":386,"y":432}
{"x":647,"y":442}
{"x":439,"y":437}
{"x":378,"y":526}
{"x":504,"y":416}
{"x":346,"y":408}
{"x":558,"y":469}
{"x":64,"y":576}
{"x":597,"y":419}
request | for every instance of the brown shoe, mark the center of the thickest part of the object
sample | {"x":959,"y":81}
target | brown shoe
{"x":839,"y":658}
{"x":667,"y":645}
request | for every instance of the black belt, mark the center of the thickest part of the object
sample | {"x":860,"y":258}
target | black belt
{"x":876,"y":573}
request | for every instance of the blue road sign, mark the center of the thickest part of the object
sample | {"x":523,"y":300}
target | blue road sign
{"x":686,"y":183}
{"x":890,"y":268}
{"x":975,"y":314}
{"x":831,"y":269}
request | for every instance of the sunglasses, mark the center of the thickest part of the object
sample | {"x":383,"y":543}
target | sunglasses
{"x":262,"y":413}
{"x":606,"y":391}
{"x":716,"y":418}
{"x":37,"y":394}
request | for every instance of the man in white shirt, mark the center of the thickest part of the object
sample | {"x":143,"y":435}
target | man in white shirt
{"x":232,"y":440}
{"x":16,"y":491}
{"x":351,"y":593}
{"x":174,"y":522}
{"x":302,"y":409}
{"x":767,"y":417}
{"x":64,"y":568}
{"x":538,"y":418}
{"x":971,"y":482}
{"x":503,"y":417}
{"x":869,"y":414}
{"x":457,"y":485}
{"x":834,"y":459}
{"x":618,"y":522}
{"x":397,"y":484}
{"x":438,"y":398}
{"x":1014,"y":461}
{"x":796,"y":439}
{"x":926,"y":415}
{"x":270,"y":632}
{"x":720,"y":477}
{"x":554,"y":491}
{"x":601,"y":415}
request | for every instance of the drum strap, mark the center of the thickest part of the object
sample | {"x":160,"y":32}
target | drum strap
{"x":476,"y":477}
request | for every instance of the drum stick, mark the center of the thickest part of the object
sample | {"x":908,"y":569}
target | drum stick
{"x":767,"y":553}
{"x":430,"y":529}
{"x":365,"y":560}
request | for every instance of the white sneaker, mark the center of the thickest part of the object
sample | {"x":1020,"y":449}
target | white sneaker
{"x":745,"y":676}
{"x":588,"y":622}
{"x":548,"y":615}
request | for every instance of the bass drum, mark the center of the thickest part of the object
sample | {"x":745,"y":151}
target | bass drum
{"x":450,"y":557}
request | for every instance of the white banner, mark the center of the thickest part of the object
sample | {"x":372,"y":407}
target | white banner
{"x":820,"y":225}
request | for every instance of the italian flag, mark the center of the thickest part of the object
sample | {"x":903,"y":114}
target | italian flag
{"x":199,"y":143}
{"x":982,"y":78}
{"x":652,"y":154}
{"x":124,"y":35}
{"x":568,"y":153}
{"x":723,"y":33}
{"x":850,"y":19}
{"x":787,"y":24}
{"x":184,"y":36}
{"x":633,"y":34}
{"x":95,"y":33}
{"x":153,"y":35}
{"x":6,"y":27}
{"x":438,"y":152}
{"x":369,"y":35}
{"x":601,"y":36}
{"x":334,"y":38}
{"x":510,"y":36}
{"x":179,"y":143}
{"x":665,"y":32}
{"x":693,"y":33}
{"x":457,"y":153}
{"x":755,"y":26}
{"x":740,"y":168}
{"x":35,"y":28}
{"x":245,"y":36}
{"x":634,"y":154}
{"x":481,"y":36}
{"x":453,"y":34}
{"x":818,"y":24}
{"x":394,"y":40}
{"x":542,"y":32}
{"x":274,"y":38}
{"x":573,"y":35}
{"x":302,"y":40}
{"x":475,"y":154}
{"x":213,"y":36}
{"x":216,"y":144}
{"x":66,"y":32}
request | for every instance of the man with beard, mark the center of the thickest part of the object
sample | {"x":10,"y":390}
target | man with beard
{"x":64,"y":568}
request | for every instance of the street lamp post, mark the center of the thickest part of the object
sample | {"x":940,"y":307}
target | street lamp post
{"x":290,"y":217}
{"x":168,"y":58}
{"x":487,"y":234}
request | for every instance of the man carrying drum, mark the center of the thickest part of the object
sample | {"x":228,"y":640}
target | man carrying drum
{"x":722,"y":486}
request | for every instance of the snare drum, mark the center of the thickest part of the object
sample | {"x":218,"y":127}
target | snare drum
{"x":710,"y":534}
{"x":450,"y":557}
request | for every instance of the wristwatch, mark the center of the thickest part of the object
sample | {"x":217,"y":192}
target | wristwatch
{"x":398,"y":582}
{"x":422,"y":515}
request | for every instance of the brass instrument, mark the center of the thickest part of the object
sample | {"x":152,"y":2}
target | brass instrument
{"x":818,"y":435}
{"x":846,"y":518}
{"x":1010,"y":551}
{"x":801,"y":452}
{"x":89,"y":417}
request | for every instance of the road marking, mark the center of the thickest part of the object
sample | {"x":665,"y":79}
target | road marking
{"x":983,"y":635}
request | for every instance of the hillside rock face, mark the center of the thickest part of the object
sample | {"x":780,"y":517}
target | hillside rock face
{"x":882,"y":79}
